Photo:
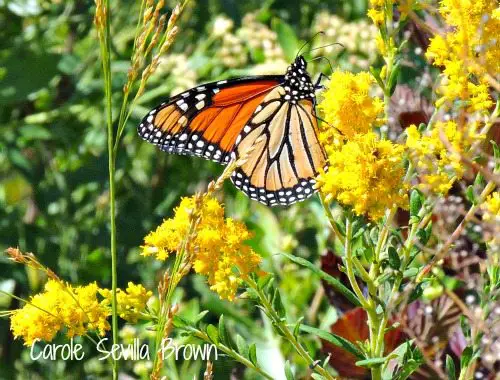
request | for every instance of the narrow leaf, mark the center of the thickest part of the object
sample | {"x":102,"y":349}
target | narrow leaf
{"x":416,"y":293}
{"x":223,"y":331}
{"x":296,"y":330}
{"x":213,"y":334}
{"x":242,"y":345}
{"x":466,"y":357}
{"x":199,"y":317}
{"x":252,"y":354}
{"x":325,"y":276}
{"x":334,"y":339}
{"x":278,"y":305}
{"x":369,"y":363}
{"x":450,"y":368}
{"x":394,"y":260}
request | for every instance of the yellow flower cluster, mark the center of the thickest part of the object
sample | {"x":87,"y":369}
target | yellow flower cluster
{"x":491,"y":208}
{"x":218,"y":244}
{"x":376,"y":11}
{"x":439,"y":165}
{"x":61,"y":306}
{"x":348,"y":106}
{"x":131,"y":302}
{"x":75,"y":309}
{"x":469,"y":52}
{"x":366,"y":173}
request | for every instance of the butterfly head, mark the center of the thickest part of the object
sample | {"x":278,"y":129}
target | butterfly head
{"x":298,"y":84}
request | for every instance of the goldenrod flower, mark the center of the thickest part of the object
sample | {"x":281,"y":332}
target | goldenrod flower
{"x":377,"y":16}
{"x":131,"y":302}
{"x":218,"y":244}
{"x":77,"y":310}
{"x":491,"y":208}
{"x":348,"y":106}
{"x":491,"y":215}
{"x":61,"y":306}
{"x":367,"y":174}
{"x":439,"y":166}
{"x":469,"y":51}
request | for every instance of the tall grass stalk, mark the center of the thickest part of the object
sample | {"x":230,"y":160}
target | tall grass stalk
{"x":102,"y":22}
{"x":147,"y":50}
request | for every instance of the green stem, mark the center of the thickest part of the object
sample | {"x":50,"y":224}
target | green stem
{"x":331,"y":219}
{"x":105,"y":42}
{"x":349,"y":265}
{"x":377,"y":333}
{"x":281,"y":325}
{"x":376,"y":323}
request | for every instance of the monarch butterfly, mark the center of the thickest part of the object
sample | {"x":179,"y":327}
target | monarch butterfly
{"x":220,"y":121}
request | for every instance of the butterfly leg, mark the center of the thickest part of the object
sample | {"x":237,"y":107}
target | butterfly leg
{"x":318,"y":85}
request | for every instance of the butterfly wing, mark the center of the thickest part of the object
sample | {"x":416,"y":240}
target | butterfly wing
{"x":206,"y":120}
{"x":286,"y":155}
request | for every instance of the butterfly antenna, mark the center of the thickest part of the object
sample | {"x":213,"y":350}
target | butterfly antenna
{"x":308,"y":42}
{"x":324,"y":46}
{"x":325,"y":58}
{"x":330,"y":125}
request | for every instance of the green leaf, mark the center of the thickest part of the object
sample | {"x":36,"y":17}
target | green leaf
{"x":408,"y":359}
{"x":450,"y":368}
{"x":199,"y":317}
{"x":223,"y":336}
{"x":325,"y":276}
{"x":296,"y":330}
{"x":415,"y":250}
{"x":416,"y":202}
{"x":288,"y":371}
{"x":242,"y":345}
{"x":470,"y":195}
{"x":479,"y":181}
{"x":393,"y":79}
{"x":376,"y":75}
{"x":369,"y":363}
{"x":35,"y":132}
{"x":19,"y":160}
{"x":252,"y":354}
{"x":423,"y":237}
{"x":286,"y":38}
{"x":213,"y":334}
{"x":278,"y":305}
{"x":258,"y":55}
{"x":428,"y":233}
{"x":466,"y":357}
{"x":180,"y":322}
{"x":68,"y":64}
{"x":394,"y":260}
{"x":496,"y":154}
{"x":465,"y":326}
{"x":334,"y":339}
{"x":416,"y":293}
{"x":264,"y":281}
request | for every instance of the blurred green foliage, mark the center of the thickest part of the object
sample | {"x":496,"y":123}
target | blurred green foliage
{"x":53,"y":160}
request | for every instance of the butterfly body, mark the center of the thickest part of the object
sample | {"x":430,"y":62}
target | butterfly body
{"x":268,"y":119}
